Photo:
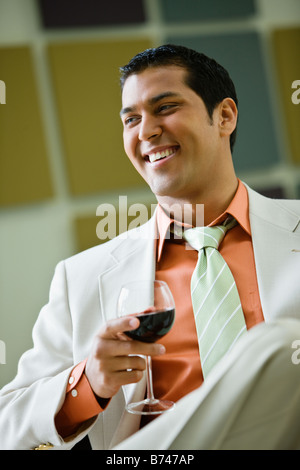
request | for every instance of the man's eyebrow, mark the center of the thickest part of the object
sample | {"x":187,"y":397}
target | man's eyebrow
{"x":161,"y":96}
{"x":127,"y":110}
{"x":155,"y":99}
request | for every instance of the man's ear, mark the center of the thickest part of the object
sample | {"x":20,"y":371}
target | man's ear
{"x":228,"y":114}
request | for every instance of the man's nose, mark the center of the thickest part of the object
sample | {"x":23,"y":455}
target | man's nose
{"x":149,"y":128}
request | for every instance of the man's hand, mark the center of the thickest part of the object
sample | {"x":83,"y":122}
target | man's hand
{"x":114,"y":360}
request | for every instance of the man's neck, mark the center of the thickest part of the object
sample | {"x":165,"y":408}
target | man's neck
{"x":201,"y":209}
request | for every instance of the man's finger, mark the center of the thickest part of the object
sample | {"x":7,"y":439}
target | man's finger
{"x":112,"y":328}
{"x":113,"y":347}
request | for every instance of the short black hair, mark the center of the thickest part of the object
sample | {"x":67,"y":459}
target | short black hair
{"x":205,"y":76}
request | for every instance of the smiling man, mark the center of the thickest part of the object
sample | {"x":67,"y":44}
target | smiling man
{"x":180,"y":149}
{"x":235,"y":388}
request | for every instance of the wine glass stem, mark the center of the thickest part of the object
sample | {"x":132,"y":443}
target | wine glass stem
{"x":150,"y":395}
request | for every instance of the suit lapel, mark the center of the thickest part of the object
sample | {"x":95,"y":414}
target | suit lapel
{"x":132,"y":259}
{"x":275,"y":237}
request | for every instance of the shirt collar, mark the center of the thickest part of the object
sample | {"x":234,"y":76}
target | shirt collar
{"x":238,"y":208}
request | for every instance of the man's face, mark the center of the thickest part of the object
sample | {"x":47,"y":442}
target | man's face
{"x":168,"y":134}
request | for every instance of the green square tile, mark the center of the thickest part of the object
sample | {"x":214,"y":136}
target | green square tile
{"x":192,"y":10}
{"x":241,"y":55}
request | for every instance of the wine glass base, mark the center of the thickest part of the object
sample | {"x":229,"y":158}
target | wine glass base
{"x":150,"y":407}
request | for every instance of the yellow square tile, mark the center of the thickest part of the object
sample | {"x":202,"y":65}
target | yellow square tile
{"x":286,"y":47}
{"x":24,"y":169}
{"x":92,"y":230}
{"x":86,"y":83}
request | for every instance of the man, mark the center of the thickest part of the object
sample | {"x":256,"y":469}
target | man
{"x":179,"y":112}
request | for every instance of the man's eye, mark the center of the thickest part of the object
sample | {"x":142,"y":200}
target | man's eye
{"x":166,"y":107}
{"x":130,"y":120}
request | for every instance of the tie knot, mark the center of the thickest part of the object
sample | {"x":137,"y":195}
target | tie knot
{"x":204,"y":237}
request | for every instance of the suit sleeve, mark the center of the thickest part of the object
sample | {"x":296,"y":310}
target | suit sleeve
{"x":80,"y":403}
{"x":29,"y":404}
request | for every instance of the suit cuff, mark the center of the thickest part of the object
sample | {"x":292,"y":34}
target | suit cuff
{"x":80,"y":403}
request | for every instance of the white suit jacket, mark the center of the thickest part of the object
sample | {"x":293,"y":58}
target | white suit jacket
{"x":84,"y":294}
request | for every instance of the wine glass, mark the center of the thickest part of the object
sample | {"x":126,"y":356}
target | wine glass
{"x":153,"y":304}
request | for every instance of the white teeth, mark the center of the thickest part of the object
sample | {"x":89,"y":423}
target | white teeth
{"x":156,"y":156}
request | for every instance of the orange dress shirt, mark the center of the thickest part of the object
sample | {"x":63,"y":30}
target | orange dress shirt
{"x":178,"y":371}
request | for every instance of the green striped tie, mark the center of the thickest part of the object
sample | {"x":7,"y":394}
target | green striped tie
{"x":217,"y":308}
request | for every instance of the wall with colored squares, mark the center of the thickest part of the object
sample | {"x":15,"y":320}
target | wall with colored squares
{"x":61,"y":152}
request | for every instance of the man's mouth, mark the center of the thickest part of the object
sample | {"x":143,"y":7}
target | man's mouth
{"x":153,"y":157}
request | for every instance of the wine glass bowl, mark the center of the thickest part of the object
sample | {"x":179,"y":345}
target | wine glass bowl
{"x":153,"y":325}
{"x":153,"y":304}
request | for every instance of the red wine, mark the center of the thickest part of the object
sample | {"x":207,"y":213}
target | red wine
{"x":153,"y":326}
